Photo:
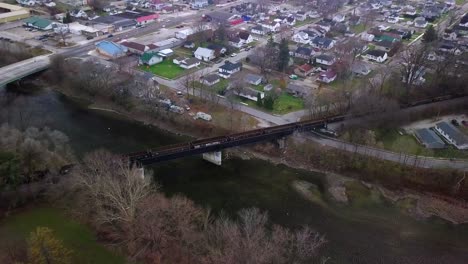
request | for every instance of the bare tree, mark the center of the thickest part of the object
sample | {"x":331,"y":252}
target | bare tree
{"x":414,"y":62}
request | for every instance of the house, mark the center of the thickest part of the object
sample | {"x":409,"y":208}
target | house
{"x":78,"y":13}
{"x":304,"y":70}
{"x":429,"y":138}
{"x":324,"y":25}
{"x":303,"y":53}
{"x":250,"y":94}
{"x":384,"y":45}
{"x":134,"y":47}
{"x":376,"y":55}
{"x":360,"y":68}
{"x":450,"y":35}
{"x":452,"y":134}
{"x":367,"y":37}
{"x":272,"y":26}
{"x":339,"y":18}
{"x":325,"y":59}
{"x":210,"y":79}
{"x":301,"y":37}
{"x":204,"y":54}
{"x":253,"y":79}
{"x":150,"y":58}
{"x":196,"y":4}
{"x":420,"y":22}
{"x":189,"y":44}
{"x":229,"y":68}
{"x":323,"y":43}
{"x":290,"y":21}
{"x":178,"y":60}
{"x":259,"y":30}
{"x":245,"y":37}
{"x":235,"y":42}
{"x":166,"y":53}
{"x":300,"y":15}
{"x":218,"y":49}
{"x":327,"y":77}
{"x":39,"y":23}
{"x":225,"y":18}
{"x":110,"y":49}
{"x":183,"y":34}
{"x":189,"y":63}
{"x":297,"y":90}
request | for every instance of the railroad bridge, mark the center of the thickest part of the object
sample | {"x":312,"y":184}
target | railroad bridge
{"x":216,"y":144}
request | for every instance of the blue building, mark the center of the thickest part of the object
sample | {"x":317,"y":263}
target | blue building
{"x":111,"y":49}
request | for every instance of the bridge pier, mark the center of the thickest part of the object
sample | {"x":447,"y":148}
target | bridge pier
{"x":215,"y":157}
{"x":281,"y":142}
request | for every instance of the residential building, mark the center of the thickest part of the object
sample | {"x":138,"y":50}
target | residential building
{"x":323,"y":43}
{"x":196,"y":4}
{"x":259,"y":30}
{"x":229,"y":68}
{"x":303,"y":53}
{"x":245,"y":37}
{"x":150,"y":58}
{"x":452,"y":134}
{"x":376,"y":55}
{"x":360,"y":68}
{"x":272,"y":26}
{"x":297,"y":90}
{"x":327,"y":77}
{"x":218,"y":49}
{"x":235,"y":42}
{"x":420,"y":22}
{"x":253,"y":79}
{"x":339,"y":18}
{"x":189,"y":44}
{"x":325,"y":59}
{"x":464,"y":21}
{"x":135,"y":47}
{"x":250,"y":94}
{"x":204,"y":54}
{"x":211,"y":79}
{"x":189,"y":63}
{"x":301,"y":37}
{"x":183,"y":34}
{"x":304,"y":70}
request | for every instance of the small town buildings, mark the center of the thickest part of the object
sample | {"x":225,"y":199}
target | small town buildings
{"x":229,"y":68}
{"x":367,"y":37}
{"x":189,"y":63}
{"x":250,"y":94}
{"x":420,"y":22}
{"x":452,"y":134}
{"x":189,"y":44}
{"x":150,"y":58}
{"x":110,"y":49}
{"x":272,"y":26}
{"x":339,"y":18}
{"x":376,"y":55}
{"x":211,"y":79}
{"x":197,"y":4}
{"x":303,"y":53}
{"x":218,"y":49}
{"x":166,"y":53}
{"x":301,"y":37}
{"x":429,"y":138}
{"x":204,"y":54}
{"x":253,"y":79}
{"x":135,"y":47}
{"x":464,"y":21}
{"x":39,"y":23}
{"x":327,"y":77}
{"x":183,"y":34}
{"x":236,"y":42}
{"x":245,"y":37}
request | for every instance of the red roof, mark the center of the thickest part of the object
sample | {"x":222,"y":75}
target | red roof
{"x":147,"y":18}
{"x":306,"y":67}
{"x":328,"y":74}
{"x":236,"y":21}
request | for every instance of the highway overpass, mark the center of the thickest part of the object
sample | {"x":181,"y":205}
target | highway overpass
{"x":22,"y":69}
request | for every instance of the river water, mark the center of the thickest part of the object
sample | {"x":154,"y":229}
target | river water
{"x":369,"y":230}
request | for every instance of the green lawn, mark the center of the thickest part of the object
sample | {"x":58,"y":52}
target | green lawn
{"x":393,"y":141}
{"x":358,"y":28}
{"x":460,"y":2}
{"x":287,"y":103}
{"x":166,"y":69}
{"x":301,"y":23}
{"x":75,"y":236}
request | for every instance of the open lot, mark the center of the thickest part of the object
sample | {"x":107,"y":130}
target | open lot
{"x":74,"y":235}
{"x":166,"y":69}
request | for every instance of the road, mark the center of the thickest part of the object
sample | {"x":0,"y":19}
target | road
{"x":22,"y":69}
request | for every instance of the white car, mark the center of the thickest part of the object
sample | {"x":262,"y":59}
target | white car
{"x":233,"y":54}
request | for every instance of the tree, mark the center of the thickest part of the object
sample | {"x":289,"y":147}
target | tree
{"x":259,"y":100}
{"x":10,"y":171}
{"x":221,"y":33}
{"x":268,"y":102}
{"x":68,"y":18}
{"x":45,"y":248}
{"x":430,"y":35}
{"x":283,"y":56}
{"x":97,"y":4}
{"x":414,"y":62}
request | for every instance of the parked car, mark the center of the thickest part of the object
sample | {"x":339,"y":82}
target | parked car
{"x":110,"y":36}
{"x":233,"y":54}
{"x":455,"y":122}
{"x":89,"y":37}
{"x":179,"y":93}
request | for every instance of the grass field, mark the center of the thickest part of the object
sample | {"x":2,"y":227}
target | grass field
{"x":358,"y":28}
{"x":393,"y":141}
{"x":166,"y":69}
{"x":287,"y":103}
{"x":75,"y":236}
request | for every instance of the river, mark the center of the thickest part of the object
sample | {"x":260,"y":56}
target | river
{"x":369,"y":230}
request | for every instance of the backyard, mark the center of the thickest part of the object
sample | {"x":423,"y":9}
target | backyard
{"x":166,"y":69}
{"x":285,"y":103}
{"x":75,"y":236}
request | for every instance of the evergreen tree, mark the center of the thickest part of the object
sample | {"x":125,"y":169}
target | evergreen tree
{"x":259,"y":100}
{"x":67,"y":19}
{"x":430,"y":35}
{"x":283,"y":57}
{"x":268,"y":102}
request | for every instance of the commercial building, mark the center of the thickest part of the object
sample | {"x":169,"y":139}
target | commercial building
{"x":9,"y":13}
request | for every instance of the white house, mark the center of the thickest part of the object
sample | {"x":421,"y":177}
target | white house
{"x":420,"y":22}
{"x":78,"y":13}
{"x":452,"y":135}
{"x":229,"y":68}
{"x":236,"y":42}
{"x":259,"y":30}
{"x":211,"y":79}
{"x":271,"y":26}
{"x":339,"y":18}
{"x":325,"y":59}
{"x":301,"y":37}
{"x":204,"y":54}
{"x":246,"y":37}
{"x":376,"y":55}
{"x":183,"y":34}
{"x":253,"y":79}
{"x":189,"y":63}
{"x":149,"y":58}
{"x":367,"y":37}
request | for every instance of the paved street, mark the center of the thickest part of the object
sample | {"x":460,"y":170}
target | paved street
{"x":21,"y":69}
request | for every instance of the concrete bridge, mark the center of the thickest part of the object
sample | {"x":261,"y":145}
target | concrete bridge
{"x":211,"y":147}
{"x":22,"y":69}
